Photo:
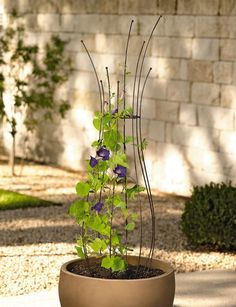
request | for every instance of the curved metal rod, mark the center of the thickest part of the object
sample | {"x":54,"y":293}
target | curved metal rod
{"x":109,"y":89}
{"x":124,"y":131}
{"x":96,"y":75}
{"x":145,"y":171}
{"x":134,"y":154}
{"x":139,"y":153}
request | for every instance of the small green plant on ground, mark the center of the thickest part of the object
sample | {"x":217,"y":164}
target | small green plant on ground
{"x":14,"y":200}
{"x":29,"y":80}
{"x":209,"y":217}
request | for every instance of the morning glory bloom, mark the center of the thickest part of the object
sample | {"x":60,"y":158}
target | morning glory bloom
{"x":120,"y":171}
{"x":98,"y":206}
{"x":103,"y":153}
{"x":93,"y":161}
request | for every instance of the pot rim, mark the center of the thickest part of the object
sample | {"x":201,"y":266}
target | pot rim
{"x":65,"y":271}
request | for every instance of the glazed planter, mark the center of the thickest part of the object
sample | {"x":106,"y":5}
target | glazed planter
{"x":81,"y":291}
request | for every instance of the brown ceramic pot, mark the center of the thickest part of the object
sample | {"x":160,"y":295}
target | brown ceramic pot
{"x":81,"y":291}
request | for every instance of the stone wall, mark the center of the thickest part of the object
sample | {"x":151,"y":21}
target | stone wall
{"x":190,"y":100}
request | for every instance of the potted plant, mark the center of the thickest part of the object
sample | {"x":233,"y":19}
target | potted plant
{"x":105,"y":273}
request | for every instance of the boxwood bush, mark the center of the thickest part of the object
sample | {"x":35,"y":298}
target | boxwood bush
{"x":209,"y":217}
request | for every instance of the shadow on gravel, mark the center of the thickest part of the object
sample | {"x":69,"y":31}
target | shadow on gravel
{"x":53,"y":225}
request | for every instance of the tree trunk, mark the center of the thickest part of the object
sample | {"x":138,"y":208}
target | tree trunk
{"x":12,"y":154}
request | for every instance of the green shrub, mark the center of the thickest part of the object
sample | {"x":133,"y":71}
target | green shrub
{"x":209,"y":217}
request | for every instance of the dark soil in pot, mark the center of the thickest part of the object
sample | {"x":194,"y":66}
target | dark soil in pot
{"x":95,"y":270}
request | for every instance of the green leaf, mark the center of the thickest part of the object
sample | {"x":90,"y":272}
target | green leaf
{"x":102,"y":165}
{"x":125,"y":212}
{"x":115,"y":240}
{"x":95,"y":183}
{"x":135,"y":216}
{"x":130,"y":226}
{"x":95,"y":223}
{"x":118,"y":264}
{"x":98,"y":245}
{"x":106,"y":263}
{"x":119,"y":158}
{"x":97,"y":123}
{"x":129,"y":139}
{"x":144,"y":144}
{"x":115,"y":263}
{"x":112,"y":138}
{"x":131,"y":192}
{"x":82,"y":189}
{"x":79,"y":210}
{"x":80,"y":252}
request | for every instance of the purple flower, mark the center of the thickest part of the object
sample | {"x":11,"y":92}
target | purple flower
{"x":93,"y":161}
{"x":103,"y":153}
{"x":120,"y":171}
{"x":98,"y":206}
{"x":114,"y":111}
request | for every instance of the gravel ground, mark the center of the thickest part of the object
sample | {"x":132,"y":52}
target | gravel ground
{"x":35,"y":242}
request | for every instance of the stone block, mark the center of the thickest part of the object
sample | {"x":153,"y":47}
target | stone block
{"x":145,"y":127}
{"x":199,"y":7}
{"x":212,"y":26}
{"x":188,"y":114}
{"x":200,"y":71}
{"x":181,"y":47}
{"x":123,"y":24}
{"x":105,"y":43}
{"x":228,"y":47}
{"x":95,"y":24}
{"x":171,"y":167}
{"x":199,"y":177}
{"x":68,"y":22}
{"x":205,"y":93}
{"x":167,"y":111}
{"x":73,"y":7}
{"x":149,"y":109}
{"x":156,"y":130}
{"x":75,"y":44}
{"x":183,"y":70}
{"x":101,"y":6}
{"x":137,"y":7}
{"x":216,"y":117}
{"x":228,"y":96}
{"x":101,"y":61}
{"x":196,"y":137}
{"x":167,"y":68}
{"x":168,"y":132}
{"x":31,"y":23}
{"x":161,"y":46}
{"x":22,"y":6}
{"x":231,"y":25}
{"x":146,"y":22}
{"x":48,"y":22}
{"x":223,"y":72}
{"x":178,"y":91}
{"x":155,"y":88}
{"x":164,"y":68}
{"x":205,"y":160}
{"x":205,"y":49}
{"x":228,"y":7}
{"x":87,"y":100}
{"x":228,"y":142}
{"x":45,"y":6}
{"x":83,"y":81}
{"x":180,"y":26}
{"x":166,"y":7}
